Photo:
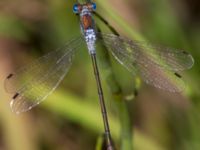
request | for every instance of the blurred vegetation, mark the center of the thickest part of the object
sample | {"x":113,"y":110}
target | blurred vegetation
{"x":70,"y":118}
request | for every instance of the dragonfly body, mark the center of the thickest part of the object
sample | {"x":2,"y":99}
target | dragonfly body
{"x":158,"y":66}
{"x":87,"y":24}
{"x":89,"y":33}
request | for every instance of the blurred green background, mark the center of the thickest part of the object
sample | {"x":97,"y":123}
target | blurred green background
{"x":70,"y":118}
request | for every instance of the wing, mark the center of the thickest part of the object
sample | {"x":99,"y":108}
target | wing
{"x":156,"y":65}
{"x":33,"y":83}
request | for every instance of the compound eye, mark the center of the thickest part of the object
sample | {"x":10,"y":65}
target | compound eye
{"x":76,"y":8}
{"x":94,"y":6}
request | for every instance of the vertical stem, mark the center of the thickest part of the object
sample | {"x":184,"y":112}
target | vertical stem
{"x":102,"y":104}
{"x":126,"y":129}
{"x":125,"y":123}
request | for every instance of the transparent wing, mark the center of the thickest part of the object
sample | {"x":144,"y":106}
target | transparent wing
{"x":33,"y":83}
{"x":156,"y":65}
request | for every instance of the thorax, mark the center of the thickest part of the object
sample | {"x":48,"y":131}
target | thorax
{"x":88,"y":29}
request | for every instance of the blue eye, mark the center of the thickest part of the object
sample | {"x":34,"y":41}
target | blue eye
{"x":94,"y":6}
{"x":75,"y":8}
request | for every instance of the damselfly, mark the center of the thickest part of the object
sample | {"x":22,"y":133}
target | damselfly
{"x":157,"y":65}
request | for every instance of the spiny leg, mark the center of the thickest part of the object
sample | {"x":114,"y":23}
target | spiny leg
{"x":106,"y":23}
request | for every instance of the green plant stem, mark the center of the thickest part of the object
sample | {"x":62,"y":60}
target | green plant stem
{"x":126,"y":128}
{"x":100,"y":145}
{"x":125,"y":124}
